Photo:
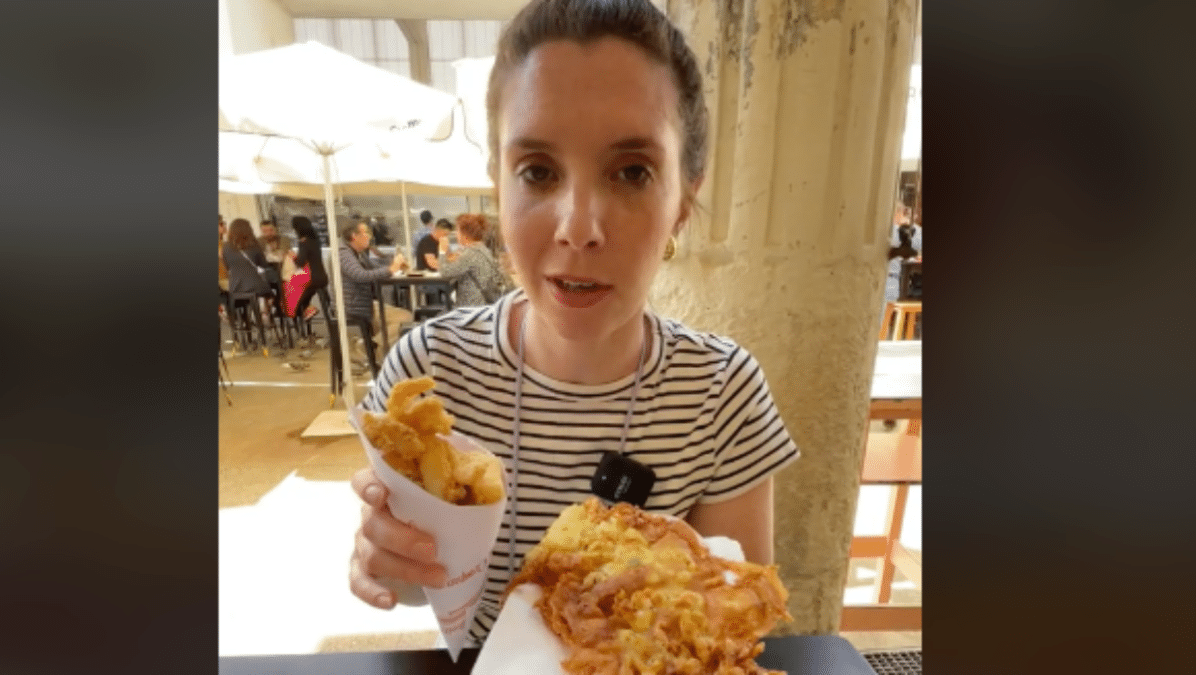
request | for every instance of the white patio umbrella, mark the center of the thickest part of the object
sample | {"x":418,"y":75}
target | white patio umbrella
{"x":267,"y":93}
{"x":453,"y":166}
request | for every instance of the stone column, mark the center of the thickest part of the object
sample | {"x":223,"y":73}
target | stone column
{"x":788,"y":255}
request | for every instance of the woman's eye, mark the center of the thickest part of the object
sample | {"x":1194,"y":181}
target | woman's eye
{"x":636,"y":173}
{"x":536,"y":174}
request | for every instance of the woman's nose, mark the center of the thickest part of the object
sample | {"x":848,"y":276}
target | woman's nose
{"x":580,"y":223}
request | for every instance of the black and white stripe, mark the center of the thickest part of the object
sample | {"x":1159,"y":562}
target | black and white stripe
{"x":704,"y":421}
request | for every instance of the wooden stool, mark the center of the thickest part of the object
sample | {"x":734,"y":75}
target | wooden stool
{"x":900,"y":320}
{"x":893,"y":459}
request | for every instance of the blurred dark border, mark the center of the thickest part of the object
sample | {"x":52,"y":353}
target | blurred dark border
{"x":108,"y":471}
{"x":1059,"y":370}
{"x":1061,"y":343}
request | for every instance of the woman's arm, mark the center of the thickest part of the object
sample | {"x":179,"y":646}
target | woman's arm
{"x":456,"y":265}
{"x":353,"y":270}
{"x":746,"y":519}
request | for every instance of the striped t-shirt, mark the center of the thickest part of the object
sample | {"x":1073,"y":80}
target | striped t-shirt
{"x":704,"y":421}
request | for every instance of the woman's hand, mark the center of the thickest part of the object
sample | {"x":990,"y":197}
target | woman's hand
{"x":386,"y":547}
{"x":399,"y":263}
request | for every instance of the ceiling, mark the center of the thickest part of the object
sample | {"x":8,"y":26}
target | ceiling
{"x":449,"y":9}
{"x":404,"y":9}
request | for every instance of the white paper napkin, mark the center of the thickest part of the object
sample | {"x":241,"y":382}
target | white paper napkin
{"x":464,"y":535}
{"x":520,"y":643}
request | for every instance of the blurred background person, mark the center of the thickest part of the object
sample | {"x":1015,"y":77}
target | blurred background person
{"x":424,"y":229}
{"x":247,"y":268}
{"x":358,"y":273}
{"x":309,"y":254}
{"x":222,"y":270}
{"x":274,"y":246}
{"x":427,"y":252}
{"x":480,"y":279}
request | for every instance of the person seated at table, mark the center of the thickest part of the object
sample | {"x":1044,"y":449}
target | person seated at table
{"x":424,"y":229}
{"x":309,"y":254}
{"x":275,"y":247}
{"x":245,"y":262}
{"x":428,"y":252}
{"x":905,"y":242}
{"x":480,"y":278}
{"x":359,"y":272}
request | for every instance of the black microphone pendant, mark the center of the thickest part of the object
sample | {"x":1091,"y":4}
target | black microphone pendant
{"x":622,"y":479}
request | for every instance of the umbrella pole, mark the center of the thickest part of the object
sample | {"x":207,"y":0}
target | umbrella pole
{"x":406,"y":217}
{"x":338,"y":293}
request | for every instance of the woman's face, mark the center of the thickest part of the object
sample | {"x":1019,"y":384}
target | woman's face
{"x":589,"y":180}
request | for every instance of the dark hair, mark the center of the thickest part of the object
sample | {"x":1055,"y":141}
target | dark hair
{"x":425,"y":216}
{"x":584,"y":21}
{"x":240,"y":234}
{"x":302,"y":227}
{"x":905,"y":249}
{"x":472,"y":225}
{"x":445,"y":224}
{"x":268,"y":221}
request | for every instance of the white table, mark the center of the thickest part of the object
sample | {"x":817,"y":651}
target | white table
{"x":897,"y":380}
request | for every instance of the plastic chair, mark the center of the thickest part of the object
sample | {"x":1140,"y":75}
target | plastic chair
{"x":894,"y":460}
{"x":901,"y":321}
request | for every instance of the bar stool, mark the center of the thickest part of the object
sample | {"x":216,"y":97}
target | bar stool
{"x":245,"y":317}
{"x":901,"y":320}
{"x":335,"y":366}
{"x":894,"y":460}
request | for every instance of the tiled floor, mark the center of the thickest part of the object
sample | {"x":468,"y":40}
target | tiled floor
{"x":287,"y":517}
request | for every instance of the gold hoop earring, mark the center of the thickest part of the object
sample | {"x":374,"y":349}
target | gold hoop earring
{"x":670,"y":248}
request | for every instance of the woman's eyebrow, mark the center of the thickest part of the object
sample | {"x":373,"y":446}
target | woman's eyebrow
{"x":636,"y":143}
{"x":525,"y":143}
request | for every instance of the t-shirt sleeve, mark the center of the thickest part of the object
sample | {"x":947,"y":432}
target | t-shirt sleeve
{"x":751,"y":439}
{"x":408,"y":359}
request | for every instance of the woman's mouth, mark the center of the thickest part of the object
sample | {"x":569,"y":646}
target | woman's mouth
{"x":576,"y":292}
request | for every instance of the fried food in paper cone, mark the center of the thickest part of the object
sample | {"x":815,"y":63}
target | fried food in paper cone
{"x":408,"y":437}
{"x":631,"y":592}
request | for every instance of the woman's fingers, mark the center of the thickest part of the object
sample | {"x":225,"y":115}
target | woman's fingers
{"x":388,"y":534}
{"x":367,"y":486}
{"x":374,"y":561}
{"x":366,"y":588}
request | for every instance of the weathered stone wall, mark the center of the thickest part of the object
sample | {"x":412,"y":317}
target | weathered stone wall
{"x":787,"y":257}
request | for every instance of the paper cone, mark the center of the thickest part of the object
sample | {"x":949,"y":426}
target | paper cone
{"x":464,"y":535}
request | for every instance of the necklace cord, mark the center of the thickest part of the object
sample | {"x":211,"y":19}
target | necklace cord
{"x":514,"y":491}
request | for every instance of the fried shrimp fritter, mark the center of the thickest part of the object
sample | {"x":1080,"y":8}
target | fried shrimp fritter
{"x":408,"y":437}
{"x":634,"y":593}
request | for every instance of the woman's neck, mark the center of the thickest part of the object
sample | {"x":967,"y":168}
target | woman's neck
{"x":600,"y":360}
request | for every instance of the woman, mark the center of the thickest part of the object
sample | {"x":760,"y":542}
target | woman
{"x":246,"y":272}
{"x":244,"y":260}
{"x":480,"y":279}
{"x":309,"y":254}
{"x":598,"y":145}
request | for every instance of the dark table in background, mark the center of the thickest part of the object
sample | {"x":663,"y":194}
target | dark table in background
{"x":403,"y":281}
{"x":794,"y":654}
